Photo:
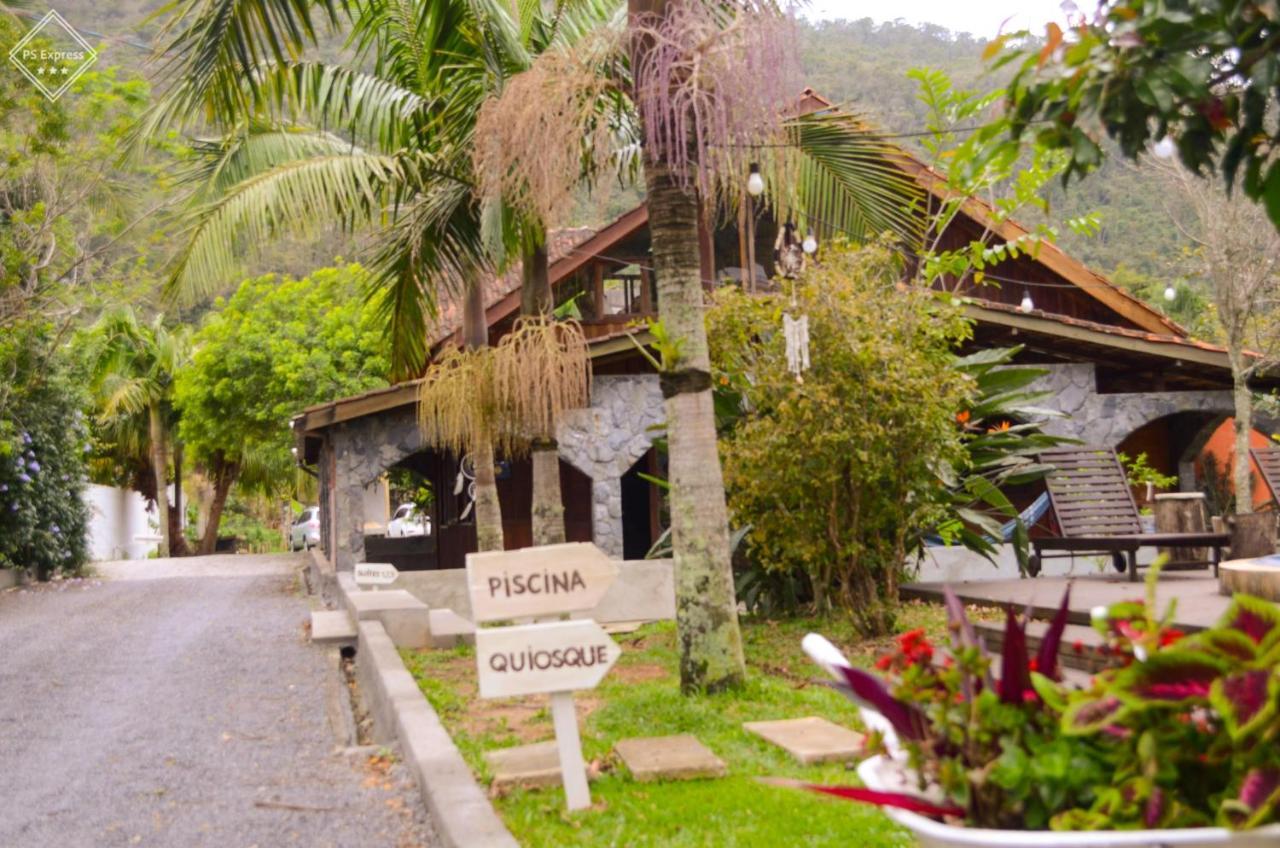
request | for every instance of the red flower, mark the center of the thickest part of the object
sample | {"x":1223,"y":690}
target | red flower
{"x":885,"y":662}
{"x":1170,"y":636}
{"x":1077,"y":646}
{"x":1033,"y":664}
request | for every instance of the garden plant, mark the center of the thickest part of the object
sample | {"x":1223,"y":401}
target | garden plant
{"x":1179,"y":731}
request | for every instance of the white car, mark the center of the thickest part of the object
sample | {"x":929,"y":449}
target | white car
{"x":305,"y":532}
{"x":407,"y":521}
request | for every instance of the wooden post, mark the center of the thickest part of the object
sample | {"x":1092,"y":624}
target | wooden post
{"x":573,"y":771}
{"x":1182,"y":512}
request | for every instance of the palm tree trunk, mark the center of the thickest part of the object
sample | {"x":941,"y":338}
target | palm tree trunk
{"x":547,"y":508}
{"x":160,"y":471}
{"x":706,"y":609}
{"x":475,"y":333}
{"x":1242,"y":479}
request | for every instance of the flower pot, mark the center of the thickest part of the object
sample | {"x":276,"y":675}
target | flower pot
{"x":886,"y":775}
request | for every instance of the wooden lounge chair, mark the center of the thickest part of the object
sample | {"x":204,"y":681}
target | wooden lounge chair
{"x":1097,"y":515}
{"x":1268,"y":461}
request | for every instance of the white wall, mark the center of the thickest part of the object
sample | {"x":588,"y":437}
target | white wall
{"x":119,"y":524}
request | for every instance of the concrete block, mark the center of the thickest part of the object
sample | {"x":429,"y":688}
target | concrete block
{"x":811,"y":739}
{"x":680,"y":757}
{"x":405,"y":618}
{"x":332,"y":627}
{"x":527,"y":766}
{"x":448,"y":629}
{"x":460,"y":812}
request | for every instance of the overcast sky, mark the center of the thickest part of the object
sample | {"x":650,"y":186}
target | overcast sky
{"x":983,"y":18}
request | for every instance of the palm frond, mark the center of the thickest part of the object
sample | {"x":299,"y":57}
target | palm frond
{"x":294,"y":196}
{"x":373,"y":111}
{"x":222,"y":164}
{"x":846,"y":181}
{"x":434,"y":246}
{"x":210,"y":48}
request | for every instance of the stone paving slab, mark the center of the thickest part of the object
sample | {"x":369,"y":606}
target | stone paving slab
{"x":680,"y":757}
{"x":810,"y":739}
{"x":533,"y":765}
{"x":332,"y":627}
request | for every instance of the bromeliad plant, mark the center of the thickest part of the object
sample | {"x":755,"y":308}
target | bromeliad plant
{"x":1178,"y":731}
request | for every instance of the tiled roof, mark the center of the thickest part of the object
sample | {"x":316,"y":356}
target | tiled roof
{"x":560,"y":243}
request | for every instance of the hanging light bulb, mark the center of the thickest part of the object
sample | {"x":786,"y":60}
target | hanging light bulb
{"x":1164,"y":148}
{"x":810,"y":245}
{"x":755,"y":182}
{"x":1027,"y":305}
{"x":1170,"y":293}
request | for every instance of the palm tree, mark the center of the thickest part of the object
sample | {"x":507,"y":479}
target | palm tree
{"x":133,"y":365}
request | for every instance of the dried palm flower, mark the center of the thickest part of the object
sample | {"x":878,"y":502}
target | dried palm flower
{"x":715,"y":83}
{"x":553,"y":125}
{"x":542,"y":372}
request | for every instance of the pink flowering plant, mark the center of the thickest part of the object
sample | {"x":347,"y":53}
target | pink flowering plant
{"x":1178,"y":731}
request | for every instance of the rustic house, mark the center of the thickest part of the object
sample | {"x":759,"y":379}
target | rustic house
{"x":1124,"y":375}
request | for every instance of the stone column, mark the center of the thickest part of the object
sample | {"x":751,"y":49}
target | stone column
{"x":348,"y":502}
{"x":606,"y":515}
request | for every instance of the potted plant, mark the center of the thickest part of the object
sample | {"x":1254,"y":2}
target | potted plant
{"x":1175,"y":743}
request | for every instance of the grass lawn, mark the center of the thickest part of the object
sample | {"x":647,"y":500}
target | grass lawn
{"x":640,"y":697}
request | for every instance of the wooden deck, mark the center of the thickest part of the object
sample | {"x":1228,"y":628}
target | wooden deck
{"x":1198,"y":603}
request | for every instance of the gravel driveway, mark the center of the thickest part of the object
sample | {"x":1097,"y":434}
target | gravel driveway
{"x":144,"y":709}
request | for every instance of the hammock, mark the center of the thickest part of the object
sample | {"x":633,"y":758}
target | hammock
{"x":1029,"y":517}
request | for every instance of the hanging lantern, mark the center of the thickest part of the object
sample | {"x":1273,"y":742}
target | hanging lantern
{"x":796,"y":333}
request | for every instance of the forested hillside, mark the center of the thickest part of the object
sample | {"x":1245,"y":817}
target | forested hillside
{"x":863,"y":65}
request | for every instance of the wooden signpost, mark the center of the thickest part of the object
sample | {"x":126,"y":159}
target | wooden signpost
{"x":375,"y":574}
{"x":534,"y":582}
{"x":553,"y":656}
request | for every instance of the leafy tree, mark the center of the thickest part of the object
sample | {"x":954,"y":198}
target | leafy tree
{"x":837,"y":471}
{"x":271,"y":349}
{"x":132,"y":372}
{"x":1203,"y":73}
{"x":43,"y":518}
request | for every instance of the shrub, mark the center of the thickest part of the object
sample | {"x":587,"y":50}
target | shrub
{"x":43,"y":518}
{"x":836,"y":471}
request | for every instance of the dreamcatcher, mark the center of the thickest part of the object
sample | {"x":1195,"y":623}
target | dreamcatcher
{"x":466,"y":479}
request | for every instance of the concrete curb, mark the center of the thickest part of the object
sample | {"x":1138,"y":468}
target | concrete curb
{"x":460,"y":811}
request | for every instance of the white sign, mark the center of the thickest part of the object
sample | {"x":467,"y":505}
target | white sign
{"x":539,"y":581}
{"x":557,"y":656}
{"x":375,"y":573}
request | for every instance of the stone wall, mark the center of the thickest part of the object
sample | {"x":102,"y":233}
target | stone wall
{"x":1106,"y":419}
{"x":605,"y":440}
{"x":363,"y":449}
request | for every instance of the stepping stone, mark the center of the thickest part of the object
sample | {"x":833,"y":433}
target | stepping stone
{"x":525,"y":766}
{"x":811,"y":739}
{"x":680,"y":757}
{"x":332,"y":627}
